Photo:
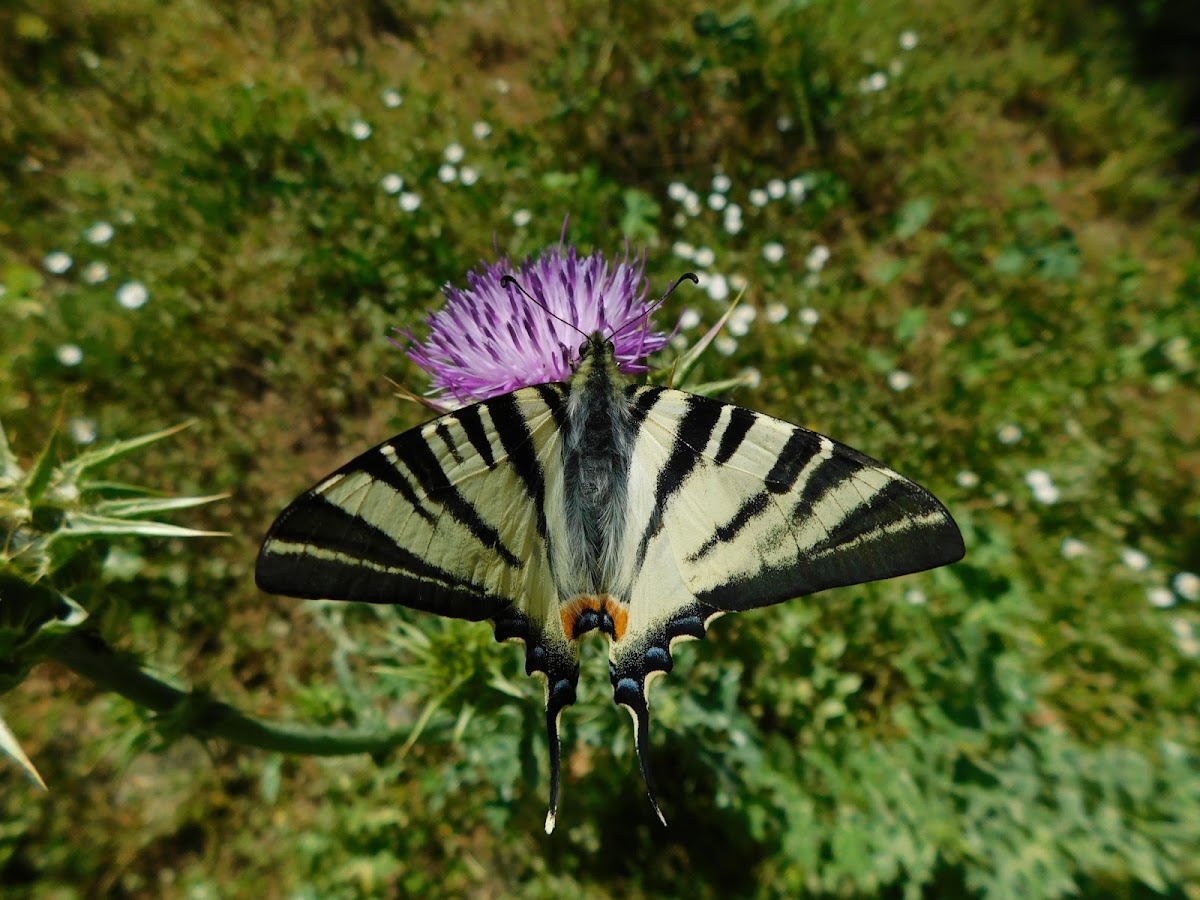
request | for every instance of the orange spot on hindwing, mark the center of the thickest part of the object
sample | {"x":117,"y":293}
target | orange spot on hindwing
{"x":587,"y":612}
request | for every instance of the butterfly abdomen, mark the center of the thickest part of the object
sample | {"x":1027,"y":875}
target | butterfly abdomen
{"x":597,"y":447}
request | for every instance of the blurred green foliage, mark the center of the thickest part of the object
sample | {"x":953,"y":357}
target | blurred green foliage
{"x":1011,"y":288}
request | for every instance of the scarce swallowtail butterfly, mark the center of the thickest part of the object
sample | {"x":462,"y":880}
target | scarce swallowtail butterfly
{"x":595,"y":504}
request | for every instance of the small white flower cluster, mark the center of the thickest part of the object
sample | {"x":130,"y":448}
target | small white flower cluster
{"x":1009,"y":434}
{"x":873,"y":83}
{"x":878,"y":80}
{"x":82,"y":430}
{"x":1043,"y":486}
{"x":130,"y":295}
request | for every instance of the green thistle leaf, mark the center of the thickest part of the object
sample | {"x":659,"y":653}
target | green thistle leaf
{"x":9,"y":744}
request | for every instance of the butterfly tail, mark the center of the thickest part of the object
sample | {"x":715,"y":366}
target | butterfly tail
{"x":560,"y":694}
{"x":632,"y":695}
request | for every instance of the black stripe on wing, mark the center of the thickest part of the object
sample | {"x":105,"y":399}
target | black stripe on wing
{"x":381,"y":468}
{"x":420,"y":459}
{"x":691,"y":438}
{"x":317,"y":550}
{"x":517,"y":441}
{"x":901,"y":528}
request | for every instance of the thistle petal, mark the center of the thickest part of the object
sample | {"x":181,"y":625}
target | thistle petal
{"x":490,"y":339}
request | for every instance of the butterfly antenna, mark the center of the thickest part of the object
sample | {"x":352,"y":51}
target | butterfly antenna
{"x":686,"y":276}
{"x":509,"y":281}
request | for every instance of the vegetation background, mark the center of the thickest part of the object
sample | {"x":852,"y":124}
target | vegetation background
{"x":197,"y":221}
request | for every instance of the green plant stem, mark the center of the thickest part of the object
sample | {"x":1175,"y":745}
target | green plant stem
{"x":200,"y":715}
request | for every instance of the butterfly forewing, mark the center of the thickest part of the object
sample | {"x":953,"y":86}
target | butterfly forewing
{"x":766,"y":511}
{"x":441,"y":518}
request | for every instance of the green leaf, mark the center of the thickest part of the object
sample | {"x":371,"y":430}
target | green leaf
{"x":687,"y":362}
{"x":145,"y":506}
{"x":1010,"y":261}
{"x":43,"y":469}
{"x":641,"y":214}
{"x":10,"y":470}
{"x":83,"y":524}
{"x":101,"y":456}
{"x":913,"y":216}
{"x":911,"y":322}
{"x":9,"y":744}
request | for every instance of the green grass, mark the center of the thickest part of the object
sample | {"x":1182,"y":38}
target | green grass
{"x":1007,"y":224}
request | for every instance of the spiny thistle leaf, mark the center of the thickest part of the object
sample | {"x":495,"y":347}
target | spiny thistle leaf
{"x":83,"y":524}
{"x":9,"y":744}
{"x":101,"y":456}
{"x":132,"y":508}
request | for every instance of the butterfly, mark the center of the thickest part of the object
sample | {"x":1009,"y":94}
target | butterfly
{"x":596,"y":504}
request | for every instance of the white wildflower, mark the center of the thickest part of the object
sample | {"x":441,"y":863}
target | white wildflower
{"x":481,"y":130}
{"x":82,"y":430}
{"x":1187,"y":585}
{"x":776,"y":189}
{"x":705,"y":257}
{"x":908,"y":40}
{"x":967,"y":479}
{"x":1135,"y":559}
{"x":725,"y":345}
{"x":899,"y":380}
{"x":99,"y":233}
{"x":95,"y":272}
{"x":683,"y":250}
{"x":1073,"y":548}
{"x":717,"y":202}
{"x":454,"y":153}
{"x":522,"y":217}
{"x":758,"y":197}
{"x":915,"y":597}
{"x":677,"y":191}
{"x":817,"y":257}
{"x":1160,"y":597}
{"x":446,"y":173}
{"x":1036,"y":478}
{"x":392,"y":183}
{"x":468,"y":175}
{"x":689,"y":319}
{"x":132,"y":295}
{"x":1009,"y":434}
{"x":410,"y":202}
{"x":809,"y":316}
{"x":721,"y":183}
{"x":718,"y":288}
{"x":772,"y":251}
{"x":776,"y":312}
{"x":360,"y":130}
{"x":69,"y":354}
{"x":392,"y":99}
{"x":56,"y":262}
{"x":1046,"y":493}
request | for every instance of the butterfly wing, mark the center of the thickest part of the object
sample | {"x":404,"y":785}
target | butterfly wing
{"x":733,"y":509}
{"x":450,"y":518}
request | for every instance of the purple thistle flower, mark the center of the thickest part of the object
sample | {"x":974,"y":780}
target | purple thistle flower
{"x":491,"y":339}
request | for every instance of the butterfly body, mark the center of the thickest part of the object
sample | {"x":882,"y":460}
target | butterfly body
{"x":599,"y":505}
